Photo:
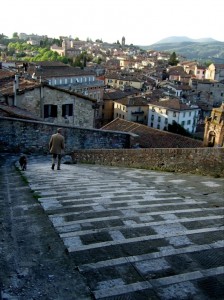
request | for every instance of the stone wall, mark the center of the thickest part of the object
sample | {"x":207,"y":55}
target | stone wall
{"x":17,"y":136}
{"x":204,"y":161}
{"x":107,"y":148}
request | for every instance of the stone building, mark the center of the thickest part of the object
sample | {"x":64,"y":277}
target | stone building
{"x":209,"y":91}
{"x":214,"y":128}
{"x":51,"y":104}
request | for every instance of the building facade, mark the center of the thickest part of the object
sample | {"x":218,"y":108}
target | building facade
{"x":165,"y":112}
{"x":214,"y":128}
{"x":134,"y":109}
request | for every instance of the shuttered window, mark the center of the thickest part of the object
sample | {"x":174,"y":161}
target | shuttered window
{"x":50,"y":111}
{"x":67,"y":110}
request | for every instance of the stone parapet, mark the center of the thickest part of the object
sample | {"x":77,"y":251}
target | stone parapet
{"x":17,"y":135}
{"x":203,"y":161}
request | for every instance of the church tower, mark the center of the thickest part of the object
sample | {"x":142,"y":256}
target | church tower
{"x":214,"y":128}
{"x":64,"y":46}
{"x":123,"y":41}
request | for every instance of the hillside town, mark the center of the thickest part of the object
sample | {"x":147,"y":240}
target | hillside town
{"x":158,"y":91}
{"x":111,"y":170}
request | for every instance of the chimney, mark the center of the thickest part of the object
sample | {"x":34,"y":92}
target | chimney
{"x":15,"y":88}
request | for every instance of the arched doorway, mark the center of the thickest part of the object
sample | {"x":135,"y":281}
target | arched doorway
{"x":211,"y":139}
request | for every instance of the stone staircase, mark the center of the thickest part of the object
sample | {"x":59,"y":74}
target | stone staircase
{"x":136,"y":234}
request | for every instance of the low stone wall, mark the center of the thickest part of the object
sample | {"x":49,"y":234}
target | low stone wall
{"x":19,"y":135}
{"x":203,"y":161}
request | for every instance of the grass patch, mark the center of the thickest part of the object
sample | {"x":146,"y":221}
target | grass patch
{"x":36,"y":195}
{"x":24,"y":179}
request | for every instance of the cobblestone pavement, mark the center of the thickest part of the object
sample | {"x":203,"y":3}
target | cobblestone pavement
{"x":133,"y":233}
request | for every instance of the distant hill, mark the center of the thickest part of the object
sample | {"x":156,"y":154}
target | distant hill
{"x":200,"y":49}
{"x":181,"y":39}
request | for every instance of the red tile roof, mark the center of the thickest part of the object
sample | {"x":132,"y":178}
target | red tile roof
{"x":16,"y":112}
{"x":148,"y":137}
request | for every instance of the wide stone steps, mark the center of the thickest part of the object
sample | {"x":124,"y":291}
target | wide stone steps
{"x":135,"y":234}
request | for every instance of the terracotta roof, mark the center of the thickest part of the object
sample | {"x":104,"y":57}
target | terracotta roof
{"x":115,"y":95}
{"x":6,"y":74}
{"x":152,"y":138}
{"x":16,"y":112}
{"x":124,"y":78}
{"x":173,"y":104}
{"x":24,"y":85}
{"x":48,"y":70}
{"x":133,"y":101}
{"x":219,"y":66}
{"x":49,"y":64}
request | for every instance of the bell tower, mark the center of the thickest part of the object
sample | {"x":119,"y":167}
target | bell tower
{"x":214,"y":128}
{"x":123,"y":41}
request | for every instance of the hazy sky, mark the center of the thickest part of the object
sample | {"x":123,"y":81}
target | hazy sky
{"x":141,"y":22}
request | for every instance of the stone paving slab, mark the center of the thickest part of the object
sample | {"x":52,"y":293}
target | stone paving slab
{"x":137,"y":234}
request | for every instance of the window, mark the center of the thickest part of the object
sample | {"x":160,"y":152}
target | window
{"x":174,"y":114}
{"x":159,"y":119}
{"x":50,"y":111}
{"x":152,"y":117}
{"x":166,"y":121}
{"x":183,"y":123}
{"x":67,"y":110}
{"x":188,"y":122}
{"x":189,"y":113}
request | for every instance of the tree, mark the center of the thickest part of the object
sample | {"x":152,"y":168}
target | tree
{"x":2,"y":36}
{"x":15,"y":35}
{"x":177,"y":128}
{"x":173,"y":61}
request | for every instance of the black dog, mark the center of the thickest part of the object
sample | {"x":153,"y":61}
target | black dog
{"x":23,"y":162}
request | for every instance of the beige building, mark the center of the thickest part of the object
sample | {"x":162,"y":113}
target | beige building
{"x":134,"y":109}
{"x":120,"y":82}
{"x":214,"y":128}
{"x":215,"y":72}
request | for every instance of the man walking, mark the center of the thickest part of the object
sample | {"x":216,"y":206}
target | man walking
{"x":56,"y":145}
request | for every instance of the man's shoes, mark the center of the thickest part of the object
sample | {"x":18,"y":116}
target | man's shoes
{"x":52,"y":167}
{"x":58,"y":169}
